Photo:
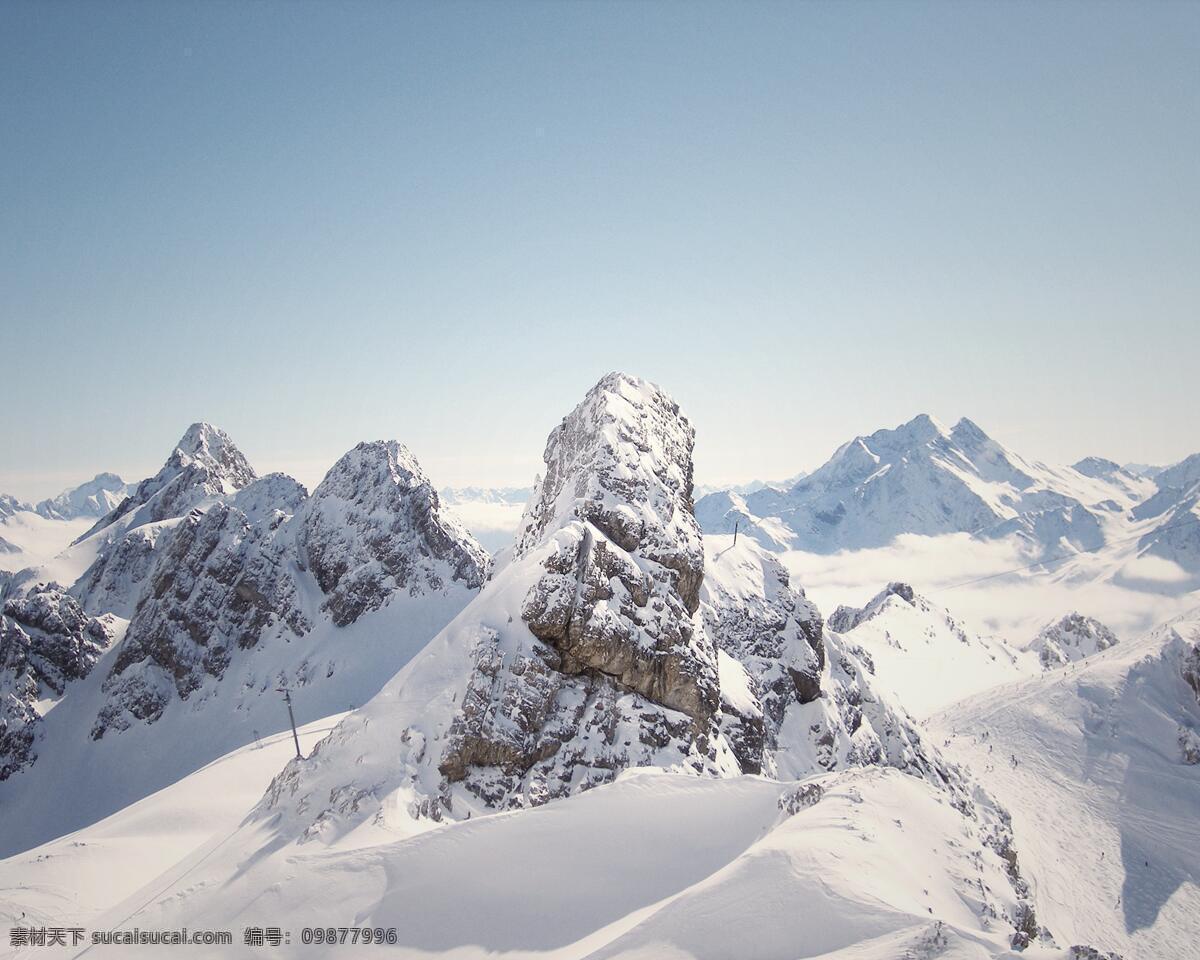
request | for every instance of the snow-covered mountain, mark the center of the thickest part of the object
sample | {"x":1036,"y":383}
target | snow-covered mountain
{"x":703,"y":766}
{"x":455,"y":496}
{"x":1100,"y":770}
{"x":1174,"y":515}
{"x":256,"y":585}
{"x":924,"y":654}
{"x":598,"y":646}
{"x":924,"y":478}
{"x":1070,"y":639}
{"x":10,"y":505}
{"x":97,"y":497}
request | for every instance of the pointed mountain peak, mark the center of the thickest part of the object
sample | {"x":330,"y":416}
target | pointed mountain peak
{"x":1071,"y":638}
{"x":204,"y":464}
{"x":94,"y":498}
{"x":845,"y":619}
{"x":917,"y":432}
{"x":211,"y":446}
{"x":622,"y":461}
{"x":923,"y":423}
{"x":968,"y":432}
{"x":375,"y":523}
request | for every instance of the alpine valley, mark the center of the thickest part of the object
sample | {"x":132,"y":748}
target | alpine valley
{"x":930,"y":700}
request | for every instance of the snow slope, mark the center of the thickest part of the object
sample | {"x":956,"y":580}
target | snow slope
{"x":86,"y":872}
{"x":923,"y":654}
{"x":1103,"y":797}
{"x":873,"y":864}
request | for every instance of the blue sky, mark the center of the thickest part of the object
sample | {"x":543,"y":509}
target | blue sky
{"x":315,"y":224}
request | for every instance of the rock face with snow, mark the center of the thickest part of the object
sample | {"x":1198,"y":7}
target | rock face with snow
{"x":924,"y":478}
{"x":606,"y":642}
{"x":204,"y":464}
{"x":771,"y":642}
{"x":613,"y":639}
{"x":220,"y":581}
{"x":10,"y":505}
{"x":96,"y":498}
{"x":46,"y":641}
{"x":231,"y":576}
{"x":1071,"y":638}
{"x":844,"y":619}
{"x":375,"y":526}
{"x":204,"y":467}
{"x":1175,"y":506}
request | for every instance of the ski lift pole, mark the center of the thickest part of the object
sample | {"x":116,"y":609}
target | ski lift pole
{"x":287,"y":698}
{"x":736,"y":524}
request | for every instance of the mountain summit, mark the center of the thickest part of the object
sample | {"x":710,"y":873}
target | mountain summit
{"x":925,"y":478}
{"x":204,"y":464}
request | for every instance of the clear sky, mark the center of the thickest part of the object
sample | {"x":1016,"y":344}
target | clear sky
{"x":315,"y":224}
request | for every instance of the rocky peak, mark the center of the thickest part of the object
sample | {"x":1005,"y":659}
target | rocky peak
{"x":1071,"y":638}
{"x":844,"y":618}
{"x":1097,"y":467}
{"x":1182,"y":476}
{"x":10,"y":505}
{"x":375,"y":525}
{"x":211,"y":447}
{"x":622,"y":461}
{"x":204,"y":464}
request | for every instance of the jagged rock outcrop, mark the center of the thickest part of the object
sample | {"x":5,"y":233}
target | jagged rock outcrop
{"x":234,"y":574}
{"x":10,"y":505}
{"x":204,"y":464}
{"x":46,"y":642}
{"x":773,"y":647}
{"x":1071,"y":638}
{"x":844,"y":619}
{"x":1190,"y":667}
{"x":221,"y":580}
{"x":613,"y":605}
{"x":375,"y":526}
{"x":204,"y":467}
{"x":604,"y":643}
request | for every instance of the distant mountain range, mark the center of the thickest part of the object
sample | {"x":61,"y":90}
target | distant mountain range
{"x":924,"y":478}
{"x":94,"y":498}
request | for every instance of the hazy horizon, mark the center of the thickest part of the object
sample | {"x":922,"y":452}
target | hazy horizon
{"x":311,"y":470}
{"x":318,"y":224}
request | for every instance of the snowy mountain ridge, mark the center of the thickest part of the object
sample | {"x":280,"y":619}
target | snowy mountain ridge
{"x":924,"y":478}
{"x":256,"y":585}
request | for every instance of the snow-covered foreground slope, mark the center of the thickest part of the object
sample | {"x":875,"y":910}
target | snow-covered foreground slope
{"x":873,"y":865}
{"x":90,"y":871}
{"x":1092,"y":761}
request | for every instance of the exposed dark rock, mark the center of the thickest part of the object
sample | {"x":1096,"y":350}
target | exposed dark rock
{"x":46,"y":642}
{"x":374,"y":526}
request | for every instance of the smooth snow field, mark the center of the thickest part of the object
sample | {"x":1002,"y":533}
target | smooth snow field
{"x":654,"y":865}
